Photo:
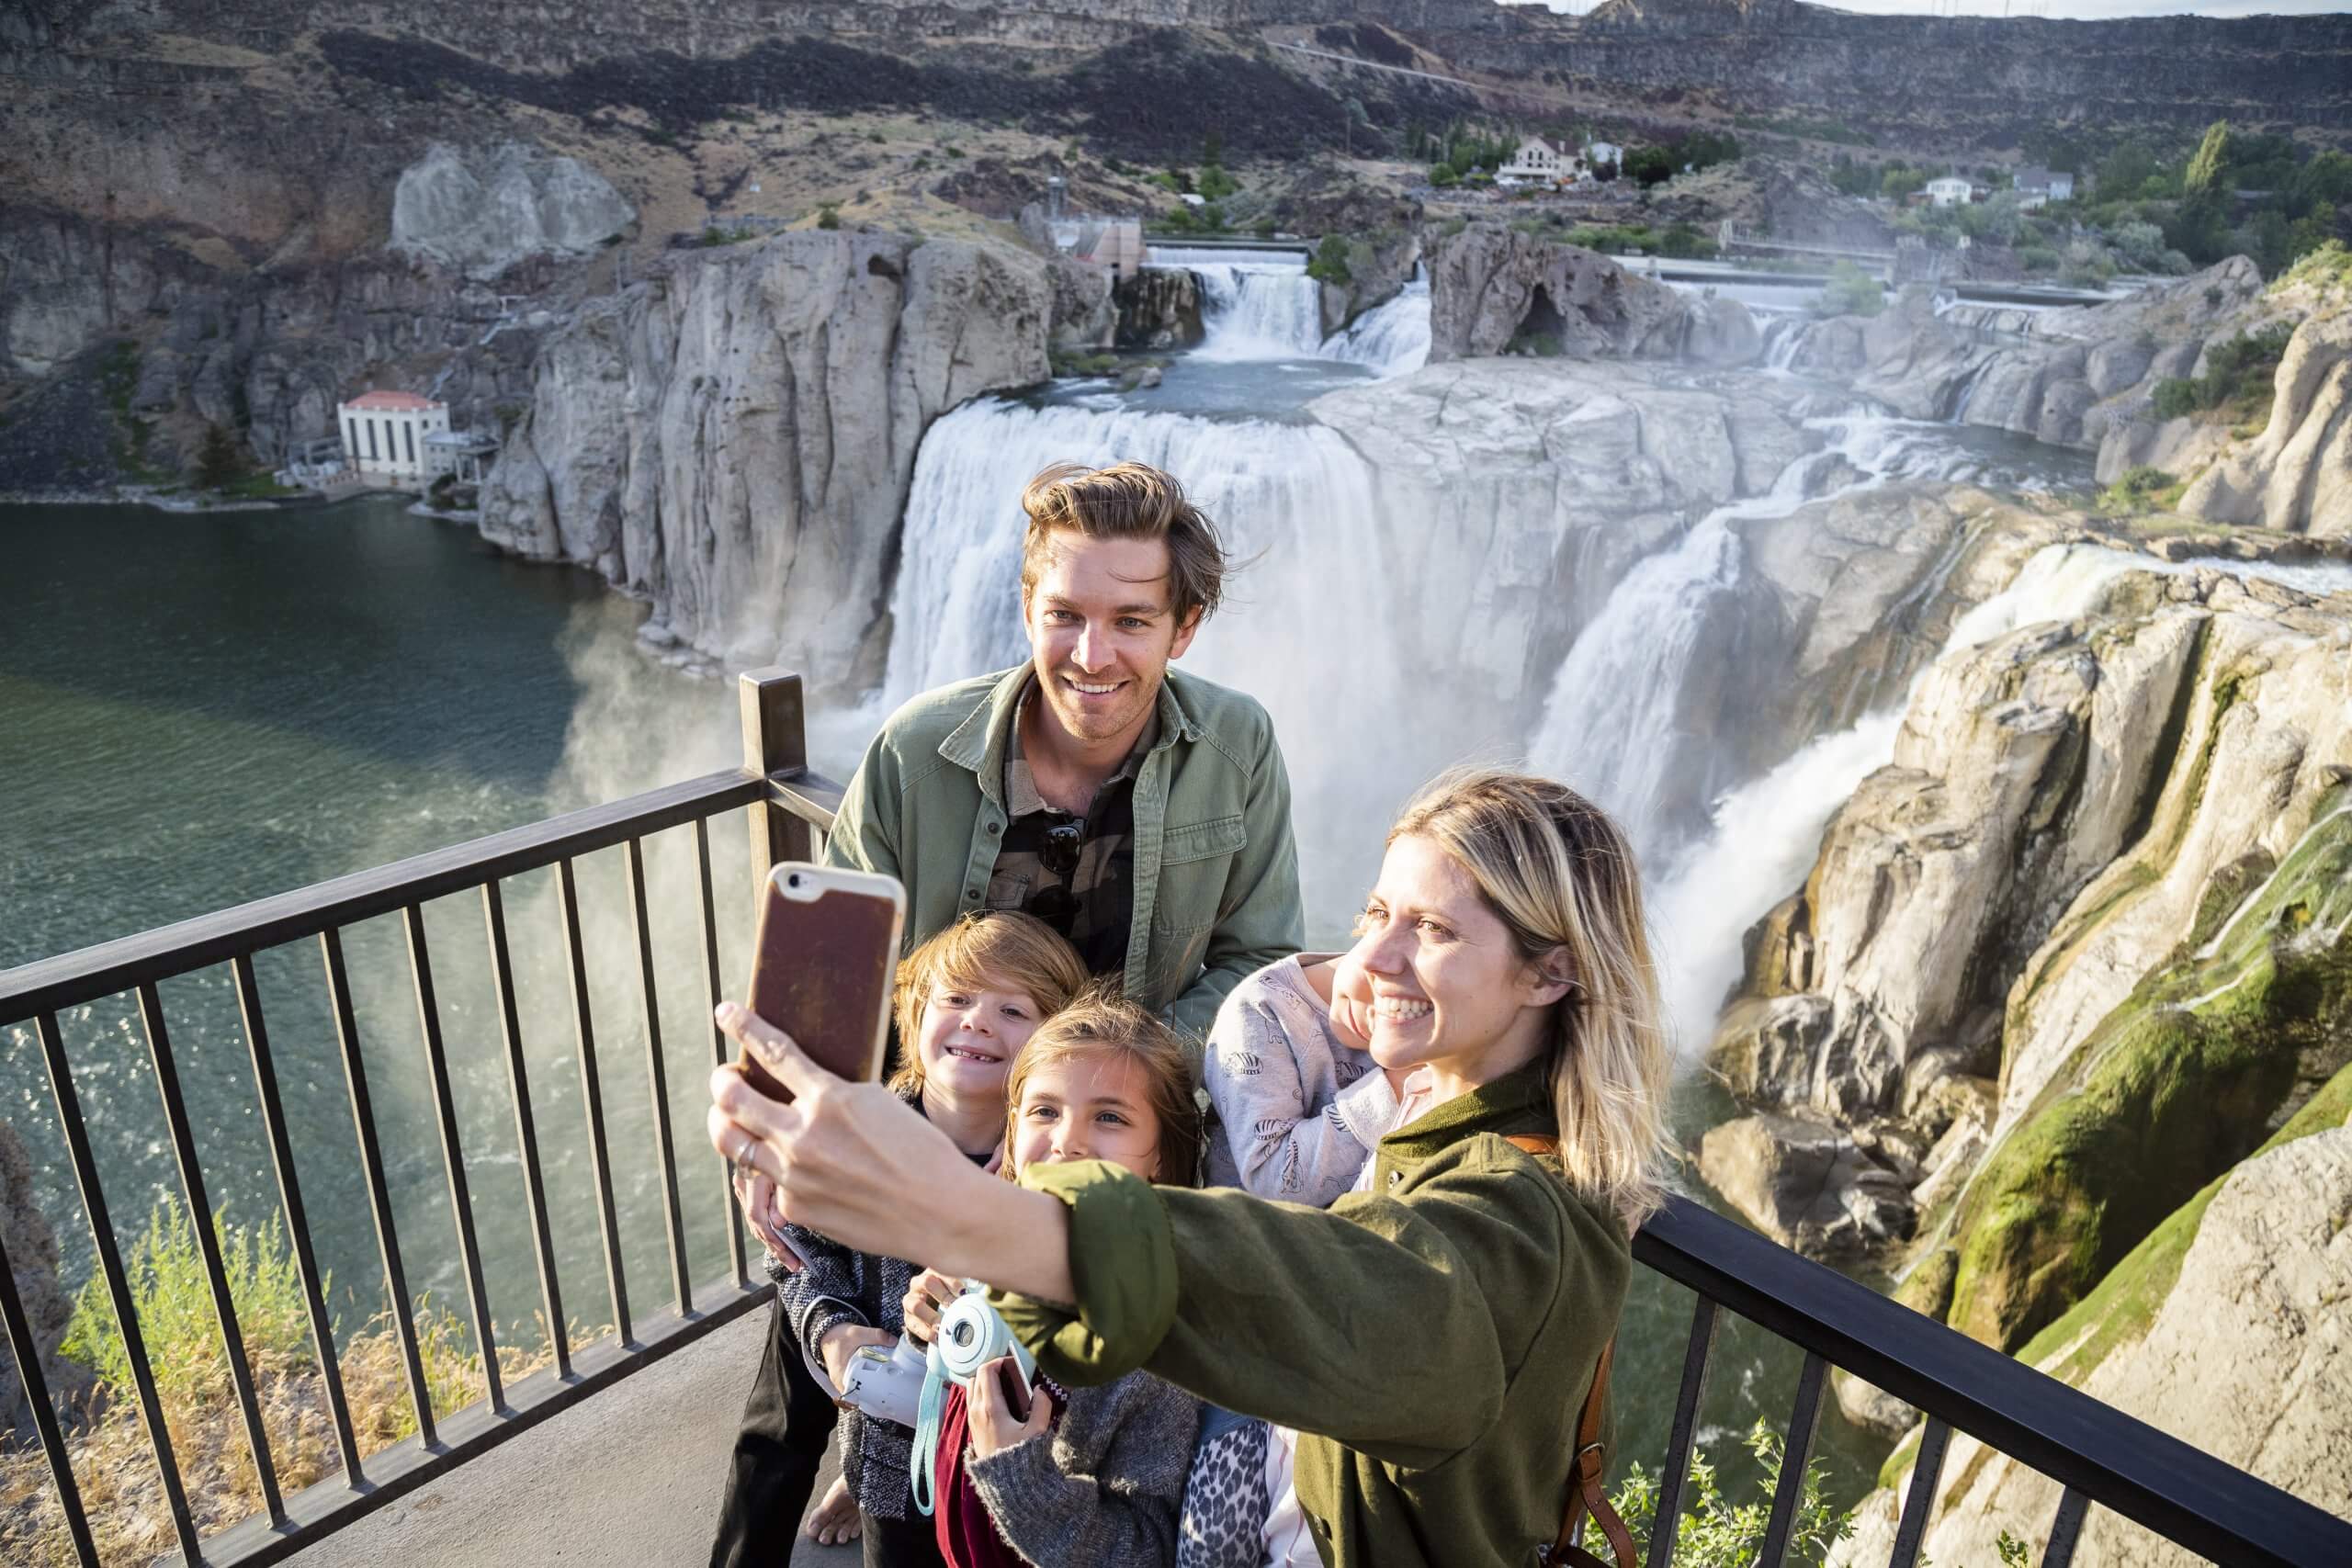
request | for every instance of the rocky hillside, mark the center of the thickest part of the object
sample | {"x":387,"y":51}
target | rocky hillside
{"x":732,"y":439}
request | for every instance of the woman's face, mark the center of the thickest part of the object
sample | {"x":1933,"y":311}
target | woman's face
{"x":1091,"y":1107}
{"x":1436,"y":974}
{"x":970,"y":1036}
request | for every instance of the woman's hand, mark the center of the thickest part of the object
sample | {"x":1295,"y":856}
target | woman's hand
{"x":856,"y":1163}
{"x":929,"y":1292}
{"x":993,"y":1426}
{"x":842,"y":1341}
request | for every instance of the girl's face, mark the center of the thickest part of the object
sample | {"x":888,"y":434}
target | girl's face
{"x":1091,"y":1107}
{"x":970,"y":1036}
{"x":1436,"y":972}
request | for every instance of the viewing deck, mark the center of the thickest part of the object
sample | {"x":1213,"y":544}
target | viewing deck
{"x":612,"y":1453}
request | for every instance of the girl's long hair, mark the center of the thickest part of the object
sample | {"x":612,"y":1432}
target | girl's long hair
{"x":1561,"y":877}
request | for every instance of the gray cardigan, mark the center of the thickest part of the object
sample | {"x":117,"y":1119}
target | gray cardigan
{"x":1103,"y":1487}
{"x":1297,"y":1107}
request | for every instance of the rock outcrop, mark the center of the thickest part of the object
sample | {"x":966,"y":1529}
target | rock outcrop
{"x":1494,"y":291}
{"x":733,"y":440}
{"x":1159,"y":307}
{"x":479,"y":211}
{"x":2297,"y":475}
{"x":2106,"y":866}
{"x":32,"y":1260}
{"x":2226,"y":1329}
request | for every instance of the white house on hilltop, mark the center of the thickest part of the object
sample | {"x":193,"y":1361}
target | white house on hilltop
{"x":385,"y":432}
{"x":1951,"y":191}
{"x":1539,"y":158}
{"x":2041,"y":186}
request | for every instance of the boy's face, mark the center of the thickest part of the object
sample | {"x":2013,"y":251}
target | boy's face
{"x":970,"y":1036}
{"x":1092,"y":1107}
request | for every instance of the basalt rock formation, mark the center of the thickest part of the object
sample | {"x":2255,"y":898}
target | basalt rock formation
{"x":1494,"y":290}
{"x":733,"y":439}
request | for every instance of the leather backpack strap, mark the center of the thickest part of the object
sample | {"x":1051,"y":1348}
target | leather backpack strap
{"x":1586,"y":1492}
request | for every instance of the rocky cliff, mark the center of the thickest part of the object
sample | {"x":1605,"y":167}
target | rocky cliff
{"x":1494,"y":290}
{"x":732,"y":439}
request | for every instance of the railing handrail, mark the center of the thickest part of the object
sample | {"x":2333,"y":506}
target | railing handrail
{"x":70,"y":979}
{"x":2114,"y":1458}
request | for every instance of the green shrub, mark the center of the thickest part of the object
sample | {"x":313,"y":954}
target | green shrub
{"x":1715,"y":1532}
{"x":829,"y":217}
{"x":2141,"y":488}
{"x":1851,"y":291}
{"x":2238,"y":378}
{"x":1442,"y":175}
{"x":1329,"y":263}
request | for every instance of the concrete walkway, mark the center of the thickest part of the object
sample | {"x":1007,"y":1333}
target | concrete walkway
{"x":627,"y":1478}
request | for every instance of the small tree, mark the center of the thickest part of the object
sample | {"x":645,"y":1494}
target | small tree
{"x":219,"y":463}
{"x":2211,"y":164}
{"x":829,"y":217}
{"x":1330,"y":263}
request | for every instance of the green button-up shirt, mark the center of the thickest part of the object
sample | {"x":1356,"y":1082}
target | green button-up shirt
{"x":1432,"y":1338}
{"x":1216,"y":889}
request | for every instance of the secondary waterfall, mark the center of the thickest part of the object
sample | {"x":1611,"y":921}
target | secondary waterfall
{"x":1391,"y":339}
{"x":1620,"y":723}
{"x":1262,"y":305}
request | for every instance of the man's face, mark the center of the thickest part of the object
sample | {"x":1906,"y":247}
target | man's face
{"x":1101,"y":632}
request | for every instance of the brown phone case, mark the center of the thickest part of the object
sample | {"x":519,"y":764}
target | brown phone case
{"x":822,"y":966}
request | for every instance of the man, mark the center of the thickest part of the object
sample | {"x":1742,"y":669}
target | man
{"x":1142,"y":812}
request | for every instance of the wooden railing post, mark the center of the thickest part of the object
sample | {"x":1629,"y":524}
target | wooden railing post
{"x":775,"y":740}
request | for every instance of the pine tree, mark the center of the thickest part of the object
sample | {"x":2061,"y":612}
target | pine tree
{"x":219,"y":463}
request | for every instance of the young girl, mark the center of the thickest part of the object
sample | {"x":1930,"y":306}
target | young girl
{"x":966,"y":1003}
{"x":1090,"y":1476}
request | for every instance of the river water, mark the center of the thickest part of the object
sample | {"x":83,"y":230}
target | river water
{"x":204,"y":710}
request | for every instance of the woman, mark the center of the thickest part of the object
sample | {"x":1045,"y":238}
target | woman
{"x":1432,"y":1338}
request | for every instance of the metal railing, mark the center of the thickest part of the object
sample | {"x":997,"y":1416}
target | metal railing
{"x":788,"y":808}
{"x":2098,"y":1454}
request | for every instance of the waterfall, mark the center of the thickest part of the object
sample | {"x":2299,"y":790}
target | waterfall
{"x":1783,"y":336}
{"x":1391,"y":339}
{"x":1259,"y":310}
{"x":1262,"y":305}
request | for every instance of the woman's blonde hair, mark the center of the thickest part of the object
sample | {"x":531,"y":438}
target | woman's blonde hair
{"x":996,"y":949}
{"x":1105,"y":1023}
{"x":1561,"y":877}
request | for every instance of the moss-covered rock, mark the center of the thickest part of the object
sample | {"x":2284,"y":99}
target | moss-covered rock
{"x":2172,"y":1088}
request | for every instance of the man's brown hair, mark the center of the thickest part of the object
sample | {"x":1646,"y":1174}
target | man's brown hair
{"x":1126,"y":501}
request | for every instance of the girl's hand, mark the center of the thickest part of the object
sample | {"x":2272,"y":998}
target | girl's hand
{"x":844,"y":1341}
{"x":993,"y":1426}
{"x":1352,"y":1001}
{"x":930,"y":1290}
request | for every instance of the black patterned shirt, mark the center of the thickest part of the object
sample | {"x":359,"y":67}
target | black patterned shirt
{"x":1076,"y":873}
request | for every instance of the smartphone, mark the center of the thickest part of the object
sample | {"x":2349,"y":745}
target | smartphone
{"x":1013,"y":1386}
{"x":822,"y":966}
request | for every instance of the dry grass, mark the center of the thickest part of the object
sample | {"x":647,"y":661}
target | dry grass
{"x":114,"y":1464}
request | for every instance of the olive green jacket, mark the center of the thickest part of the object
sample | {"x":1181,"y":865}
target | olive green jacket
{"x":1434,"y":1338}
{"x":1215,"y":869}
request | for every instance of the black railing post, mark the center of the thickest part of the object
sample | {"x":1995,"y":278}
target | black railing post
{"x":775,"y":740}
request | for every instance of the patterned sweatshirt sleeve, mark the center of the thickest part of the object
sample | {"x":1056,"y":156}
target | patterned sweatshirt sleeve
{"x":1103,"y":1488}
{"x":1284,"y":1145}
{"x":824,"y":1292}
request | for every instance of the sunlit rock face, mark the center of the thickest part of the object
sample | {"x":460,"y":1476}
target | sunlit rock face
{"x":734,"y":440}
{"x":479,"y":211}
{"x":1494,"y":290}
